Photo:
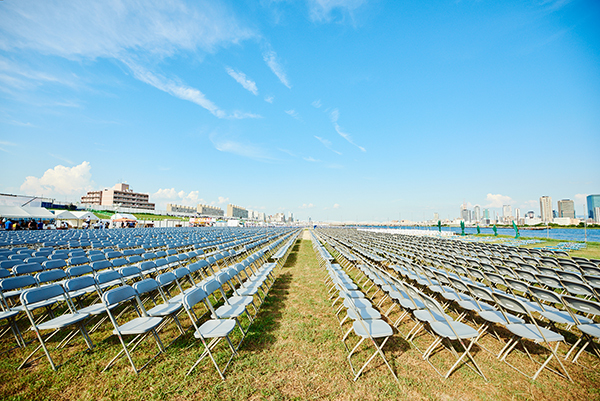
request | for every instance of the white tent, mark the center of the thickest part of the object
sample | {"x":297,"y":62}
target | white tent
{"x":85,"y":215}
{"x":123,"y":217}
{"x":64,"y":215}
{"x":39,"y":212}
{"x":14,"y":212}
{"x":18,"y":212}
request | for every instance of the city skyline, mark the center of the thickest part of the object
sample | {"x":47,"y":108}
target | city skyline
{"x":345,"y":110}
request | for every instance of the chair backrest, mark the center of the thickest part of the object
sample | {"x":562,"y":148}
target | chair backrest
{"x":129,"y":271}
{"x":119,"y":262}
{"x":54,"y":264}
{"x":545,"y":295}
{"x":50,"y":275}
{"x":510,"y":303}
{"x":11,"y":283}
{"x":211,"y":286}
{"x":101,"y":265}
{"x":36,"y":259}
{"x":4,"y":273}
{"x":582,"y":305}
{"x":193,"y":297}
{"x":80,"y":270}
{"x":577,"y":288}
{"x":7,"y":264}
{"x":97,"y":257}
{"x":107,"y":276}
{"x":78,"y":260}
{"x":118,"y":295}
{"x":39,"y":294}
{"x":181,"y":272}
{"x":134,"y":259}
{"x":166,"y":278}
{"x":27,"y":268}
{"x":78,"y":283}
{"x":147,"y":265}
{"x":145,"y":286}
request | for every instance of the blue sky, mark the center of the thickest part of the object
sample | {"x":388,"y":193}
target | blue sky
{"x":333,"y":109}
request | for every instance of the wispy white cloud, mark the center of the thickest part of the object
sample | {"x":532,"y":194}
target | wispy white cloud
{"x":323,"y":10}
{"x":335,"y":115}
{"x":317,"y":103}
{"x":306,"y":206}
{"x":311,"y":159}
{"x":270,"y":58}
{"x":4,"y":144}
{"x":183,"y":92}
{"x":60,"y":180}
{"x":222,"y":200}
{"x":61,"y":158}
{"x":269,"y":99}
{"x":112,"y":28}
{"x":498,"y":200}
{"x":243,"y":80}
{"x":287,"y":152}
{"x":327,"y":144}
{"x":336,"y":206}
{"x":248,"y":150}
{"x":293,"y":113}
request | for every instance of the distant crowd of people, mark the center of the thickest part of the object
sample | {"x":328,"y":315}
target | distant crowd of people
{"x":31,"y":224}
{"x":22,"y":224}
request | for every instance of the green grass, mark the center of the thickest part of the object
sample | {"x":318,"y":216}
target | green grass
{"x":292,"y":351}
{"x":140,"y":216}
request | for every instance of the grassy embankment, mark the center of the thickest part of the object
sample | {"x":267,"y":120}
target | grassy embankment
{"x":140,"y":216}
{"x":292,"y":351}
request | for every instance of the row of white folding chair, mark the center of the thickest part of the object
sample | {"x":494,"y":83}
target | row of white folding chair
{"x":366,"y":321}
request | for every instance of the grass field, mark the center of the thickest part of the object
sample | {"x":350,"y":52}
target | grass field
{"x":293,"y":351}
{"x":139,"y":216}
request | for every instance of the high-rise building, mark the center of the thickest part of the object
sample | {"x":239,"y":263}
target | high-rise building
{"x":119,"y":195}
{"x":436,"y":217}
{"x":566,"y":208}
{"x":507,"y":213}
{"x":517,"y":214}
{"x":546,"y":209}
{"x":205,"y":210}
{"x":477,"y":213}
{"x":593,"y":202}
{"x":173,"y":208}
{"x":530,"y":214}
{"x":486,"y":213}
{"x":236,"y":211}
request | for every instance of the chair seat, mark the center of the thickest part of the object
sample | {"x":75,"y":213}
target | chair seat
{"x":452,"y":329}
{"x":475,"y":306}
{"x":352,"y":294}
{"x":36,"y":305}
{"x":240,"y":300}
{"x":495,"y":316}
{"x":365,"y":313}
{"x":139,"y":325}
{"x":374,"y":328}
{"x":215,"y":328}
{"x":559,"y":316}
{"x":532,"y":332}
{"x":590,"y":329}
{"x":357,"y":303}
{"x":229,"y":311}
{"x":8,"y":314}
{"x":424,"y":315}
{"x":62,"y":321}
{"x":96,"y":309}
{"x":165,"y":309}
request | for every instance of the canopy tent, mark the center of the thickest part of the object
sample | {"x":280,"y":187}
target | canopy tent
{"x":85,"y":215}
{"x":13,"y":212}
{"x":123,"y":217}
{"x":39,"y":212}
{"x":64,"y":215}
{"x":18,"y":212}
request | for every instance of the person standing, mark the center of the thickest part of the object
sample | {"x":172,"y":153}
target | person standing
{"x":8,"y":225}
